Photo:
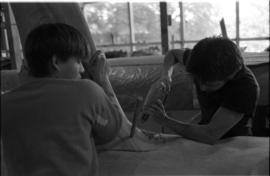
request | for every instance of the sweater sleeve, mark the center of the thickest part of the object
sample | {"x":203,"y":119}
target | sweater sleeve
{"x":104,"y":115}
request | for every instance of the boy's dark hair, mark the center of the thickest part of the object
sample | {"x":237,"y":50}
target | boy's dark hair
{"x":55,"y":39}
{"x":214,"y":59}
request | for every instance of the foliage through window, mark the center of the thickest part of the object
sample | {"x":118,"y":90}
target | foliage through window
{"x":110,"y":27}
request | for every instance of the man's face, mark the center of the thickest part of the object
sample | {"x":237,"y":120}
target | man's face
{"x":211,"y":86}
{"x":71,"y":69}
{"x":214,"y":85}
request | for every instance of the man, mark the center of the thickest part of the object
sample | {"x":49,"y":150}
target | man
{"x":226,"y":89}
{"x":52,"y":123}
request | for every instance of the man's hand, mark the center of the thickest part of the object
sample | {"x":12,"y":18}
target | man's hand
{"x":157,"y":111}
{"x":171,"y":58}
{"x":158,"y":91}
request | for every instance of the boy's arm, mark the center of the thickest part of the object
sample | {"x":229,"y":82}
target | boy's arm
{"x":98,"y":68}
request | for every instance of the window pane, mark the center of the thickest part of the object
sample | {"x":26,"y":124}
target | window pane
{"x":254,"y":18}
{"x":202,"y":19}
{"x":254,"y":46}
{"x":175,"y":46}
{"x":174,"y":29}
{"x":189,"y":45}
{"x":108,"y":22}
{"x":146,"y":22}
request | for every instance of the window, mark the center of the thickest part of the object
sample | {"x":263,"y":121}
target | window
{"x":111,"y":29}
{"x":146,"y":22}
{"x":254,"y":18}
{"x":254,"y":25}
{"x":202,"y":19}
{"x":108,"y":23}
{"x":246,"y":22}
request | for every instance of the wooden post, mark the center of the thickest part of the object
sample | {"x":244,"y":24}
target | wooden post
{"x":164,"y":27}
{"x":131,"y":26}
{"x":223,"y":28}
{"x":237,"y":23}
{"x":182,"y":25}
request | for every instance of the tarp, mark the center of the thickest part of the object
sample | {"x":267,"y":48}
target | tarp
{"x":130,"y":82}
{"x":30,"y":15}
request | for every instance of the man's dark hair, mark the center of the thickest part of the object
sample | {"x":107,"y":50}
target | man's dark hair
{"x":214,"y":59}
{"x":55,"y":39}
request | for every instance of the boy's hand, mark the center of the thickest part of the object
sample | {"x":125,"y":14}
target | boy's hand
{"x":98,"y":68}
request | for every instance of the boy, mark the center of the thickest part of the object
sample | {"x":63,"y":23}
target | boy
{"x":52,"y":122}
{"x":227,"y":91}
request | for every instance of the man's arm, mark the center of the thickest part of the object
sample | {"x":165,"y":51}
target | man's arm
{"x":160,"y":89}
{"x":196,"y":118}
{"x":162,"y":86}
{"x":222,"y":121}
